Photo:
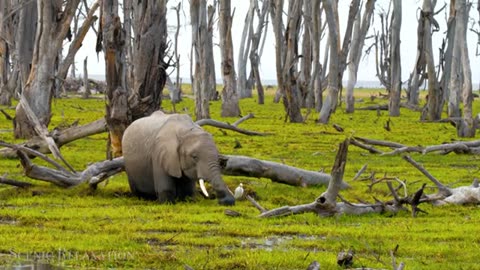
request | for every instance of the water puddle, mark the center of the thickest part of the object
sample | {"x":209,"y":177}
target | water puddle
{"x":31,"y":266}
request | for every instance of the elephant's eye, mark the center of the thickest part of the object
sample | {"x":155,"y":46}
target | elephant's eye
{"x":194,"y":156}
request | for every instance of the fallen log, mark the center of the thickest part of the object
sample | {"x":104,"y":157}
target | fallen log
{"x":231,"y":165}
{"x":61,"y":137}
{"x":277,"y":172}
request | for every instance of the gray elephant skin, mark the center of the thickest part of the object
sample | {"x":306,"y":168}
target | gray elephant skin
{"x":166,"y":154}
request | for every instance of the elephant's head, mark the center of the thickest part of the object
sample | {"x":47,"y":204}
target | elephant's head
{"x":192,"y":153}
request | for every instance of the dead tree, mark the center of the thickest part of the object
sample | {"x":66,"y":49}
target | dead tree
{"x":314,"y":95}
{"x":25,"y":41}
{"x":461,"y":77}
{"x":276,"y":12}
{"x":6,"y":42}
{"x":435,"y":94}
{"x":255,"y":38}
{"x":86,"y":83}
{"x":127,"y":26}
{"x":337,"y":65}
{"x":362,"y":24}
{"x":200,"y":83}
{"x":230,"y":105}
{"x":306,"y":62}
{"x":112,"y":37}
{"x":243,"y":87}
{"x":149,"y":55}
{"x":330,"y":103}
{"x":292,"y":97}
{"x":76,"y":43}
{"x":395,"y":65}
{"x":176,"y":92}
{"x":53,"y":25}
{"x":382,"y":50}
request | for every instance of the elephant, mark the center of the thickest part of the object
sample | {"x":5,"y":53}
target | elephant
{"x":165,"y":154}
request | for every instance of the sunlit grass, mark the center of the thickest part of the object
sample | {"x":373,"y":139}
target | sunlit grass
{"x":107,"y":227}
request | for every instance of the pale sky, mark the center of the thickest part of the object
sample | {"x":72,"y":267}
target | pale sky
{"x":410,"y":13}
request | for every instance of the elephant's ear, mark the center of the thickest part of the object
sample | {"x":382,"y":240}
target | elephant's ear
{"x":166,"y":155}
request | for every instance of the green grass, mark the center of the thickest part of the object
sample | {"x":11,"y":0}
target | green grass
{"x":108,"y":228}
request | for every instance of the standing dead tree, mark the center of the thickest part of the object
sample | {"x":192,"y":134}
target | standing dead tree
{"x":382,"y":49}
{"x":125,"y":105}
{"x":255,"y":38}
{"x":6,"y":44}
{"x":75,"y":44}
{"x":330,"y":103}
{"x":362,"y":24}
{"x":338,"y":65}
{"x":112,"y":36}
{"x":176,"y":92}
{"x":461,"y":77}
{"x":53,"y":25}
{"x":230,"y":105}
{"x":395,"y":64}
{"x":243,"y":86}
{"x":292,"y":97}
{"x":200,"y":83}
{"x":435,"y":92}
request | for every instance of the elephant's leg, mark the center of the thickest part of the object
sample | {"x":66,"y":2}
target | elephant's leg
{"x":164,"y":186}
{"x":185,"y":189}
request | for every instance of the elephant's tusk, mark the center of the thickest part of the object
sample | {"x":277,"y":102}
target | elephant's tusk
{"x":202,"y":187}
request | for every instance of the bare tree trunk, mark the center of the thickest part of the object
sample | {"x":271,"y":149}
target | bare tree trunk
{"x":198,"y":13}
{"x":243,"y":53}
{"x":396,"y":65}
{"x":25,"y":39}
{"x":39,"y":88}
{"x":276,"y":13}
{"x":212,"y":81}
{"x":5,"y":93}
{"x":73,"y":71}
{"x":314,"y":84}
{"x":254,"y":51}
{"x":467,"y":127}
{"x":176,"y":96}
{"x":435,"y":95}
{"x":382,"y":51}
{"x":330,"y":104}
{"x":446,"y":57}
{"x":86,"y":84}
{"x":456,"y":75}
{"x":347,"y":38}
{"x":306,"y":61}
{"x":291,"y":99}
{"x":113,"y":37}
{"x":230,"y":106}
{"x":127,"y":26}
{"x":362,"y":24}
{"x":149,"y":75}
{"x":77,"y":43}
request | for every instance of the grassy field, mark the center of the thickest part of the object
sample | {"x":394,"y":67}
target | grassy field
{"x":108,"y":228}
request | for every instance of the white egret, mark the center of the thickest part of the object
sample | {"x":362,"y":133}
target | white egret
{"x":239,"y":192}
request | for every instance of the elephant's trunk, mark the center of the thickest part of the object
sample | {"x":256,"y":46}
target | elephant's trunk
{"x":224,"y":195}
